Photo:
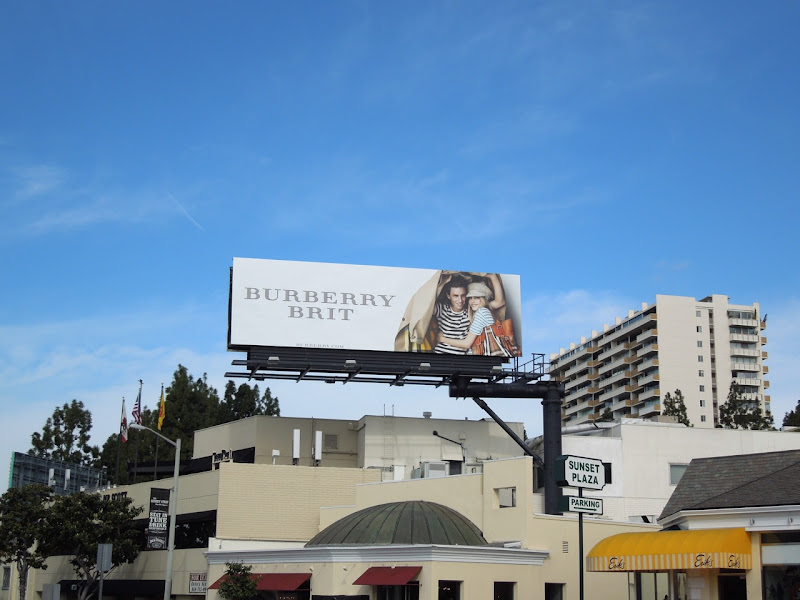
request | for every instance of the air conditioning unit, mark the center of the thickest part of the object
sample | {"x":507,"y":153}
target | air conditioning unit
{"x":432,"y":469}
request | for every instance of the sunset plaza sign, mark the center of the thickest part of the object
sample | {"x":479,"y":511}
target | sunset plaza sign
{"x":580,"y":472}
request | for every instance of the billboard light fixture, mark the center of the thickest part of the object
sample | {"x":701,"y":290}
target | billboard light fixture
{"x":350,"y":365}
{"x":273,"y":360}
{"x":424,"y":366}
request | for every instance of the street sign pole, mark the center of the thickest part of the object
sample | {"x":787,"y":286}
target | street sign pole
{"x":581,"y":472}
{"x":580,"y":543}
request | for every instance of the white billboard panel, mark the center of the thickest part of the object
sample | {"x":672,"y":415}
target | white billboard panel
{"x":355,"y":307}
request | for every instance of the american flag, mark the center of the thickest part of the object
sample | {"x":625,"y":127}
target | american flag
{"x":136,"y":413}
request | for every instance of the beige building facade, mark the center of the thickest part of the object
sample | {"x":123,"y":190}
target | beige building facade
{"x":263,"y":515}
{"x":397,"y":447}
{"x":701,"y":347}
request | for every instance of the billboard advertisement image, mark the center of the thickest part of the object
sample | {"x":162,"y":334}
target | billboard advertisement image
{"x":355,"y":307}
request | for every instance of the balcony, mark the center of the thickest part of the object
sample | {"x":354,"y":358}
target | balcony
{"x":650,"y":409}
{"x":644,"y":366}
{"x":647,"y":350}
{"x":617,"y":362}
{"x":746,"y":381}
{"x":744,"y":351}
{"x":744,"y":322}
{"x":577,"y":381}
{"x":765,"y":369}
{"x":763,"y":340}
{"x":575,"y":370}
{"x":648,"y":395}
{"x":623,"y":390}
{"x":573,"y":409}
{"x":766,"y":384}
{"x":626,"y":403}
{"x":648,"y":333}
{"x":647,"y":379}
{"x":764,"y":354}
{"x":744,"y":337}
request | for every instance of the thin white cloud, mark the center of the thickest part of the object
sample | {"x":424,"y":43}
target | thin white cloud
{"x":185,"y":212}
{"x":554,"y":320}
{"x":37,"y":180}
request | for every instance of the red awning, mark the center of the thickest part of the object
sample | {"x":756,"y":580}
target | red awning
{"x":283,"y":582}
{"x":387,"y":576}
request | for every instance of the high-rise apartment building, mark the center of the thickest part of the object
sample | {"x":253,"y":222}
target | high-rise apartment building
{"x":679,"y":343}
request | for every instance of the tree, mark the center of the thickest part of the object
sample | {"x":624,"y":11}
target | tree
{"x":22,"y":514}
{"x":238,"y":583}
{"x":740,"y":413}
{"x":65,"y":436}
{"x":792,"y":418}
{"x":244,"y":401}
{"x":674,"y":406}
{"x":239,"y":403}
{"x":76,"y":524}
{"x":270,"y":404}
{"x":606,"y":416}
{"x":191,"y":404}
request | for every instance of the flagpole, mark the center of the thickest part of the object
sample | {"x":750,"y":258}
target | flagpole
{"x":161,"y":411}
{"x":155,"y":465}
{"x":119,"y":446}
{"x":136,"y":446}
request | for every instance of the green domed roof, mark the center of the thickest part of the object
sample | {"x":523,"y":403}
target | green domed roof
{"x":411,"y":522}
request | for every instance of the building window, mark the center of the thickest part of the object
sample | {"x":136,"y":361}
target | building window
{"x":449,"y":590}
{"x":702,"y":388}
{"x":385,"y":592}
{"x":675,"y":473}
{"x":702,"y":403}
{"x":699,"y":343}
{"x":702,"y":418}
{"x":503,"y":590}
{"x":6,"y":577}
{"x":506,"y":497}
{"x":698,"y":313}
{"x":331,"y":441}
{"x":699,"y":329}
{"x":553,"y":591}
{"x":699,"y":358}
{"x":701,"y":373}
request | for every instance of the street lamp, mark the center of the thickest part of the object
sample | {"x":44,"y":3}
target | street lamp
{"x":173,"y":507}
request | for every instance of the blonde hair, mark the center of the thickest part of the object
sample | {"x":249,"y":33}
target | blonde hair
{"x":484,"y":304}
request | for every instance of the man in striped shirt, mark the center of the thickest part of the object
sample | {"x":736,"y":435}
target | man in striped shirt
{"x":453,"y":316}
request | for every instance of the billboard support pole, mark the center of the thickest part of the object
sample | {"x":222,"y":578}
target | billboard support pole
{"x":551,"y":393}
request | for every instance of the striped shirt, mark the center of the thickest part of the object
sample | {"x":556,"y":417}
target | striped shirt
{"x":453,"y":325}
{"x":483,"y":318}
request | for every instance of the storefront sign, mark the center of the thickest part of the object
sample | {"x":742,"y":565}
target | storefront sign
{"x":197,"y":583}
{"x":580,"y":472}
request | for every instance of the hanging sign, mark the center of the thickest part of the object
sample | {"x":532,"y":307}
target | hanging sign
{"x":157,"y":523}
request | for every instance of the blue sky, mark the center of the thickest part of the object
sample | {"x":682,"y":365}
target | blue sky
{"x":606,"y":152}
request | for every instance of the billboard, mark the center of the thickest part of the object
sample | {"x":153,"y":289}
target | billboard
{"x":356,"y":307}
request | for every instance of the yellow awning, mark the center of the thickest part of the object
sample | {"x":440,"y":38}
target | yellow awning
{"x":672,"y":550}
